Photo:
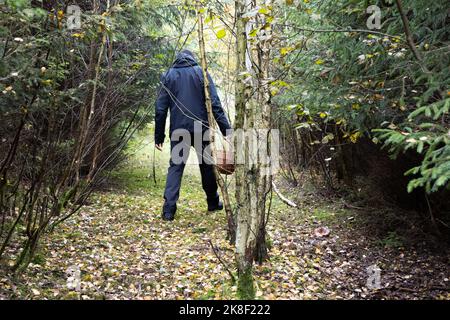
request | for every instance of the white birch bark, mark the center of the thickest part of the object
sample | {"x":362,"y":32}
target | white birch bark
{"x":252,"y":112}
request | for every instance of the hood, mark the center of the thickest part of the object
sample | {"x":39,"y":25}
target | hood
{"x":184,"y":60}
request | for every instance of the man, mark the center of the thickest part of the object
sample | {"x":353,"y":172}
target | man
{"x":182,"y":92}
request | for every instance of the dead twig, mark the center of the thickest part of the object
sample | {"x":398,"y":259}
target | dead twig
{"x":283,"y":198}
{"x":221,"y":261}
{"x":350,"y":206}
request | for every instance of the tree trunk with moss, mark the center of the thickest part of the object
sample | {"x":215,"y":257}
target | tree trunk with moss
{"x":252,"y":114}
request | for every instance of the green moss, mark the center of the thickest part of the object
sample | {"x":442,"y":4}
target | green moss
{"x":39,"y":258}
{"x":208,"y":296}
{"x":269,"y":242}
{"x":246,"y":288}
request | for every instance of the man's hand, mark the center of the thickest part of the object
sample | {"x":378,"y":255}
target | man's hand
{"x":159,"y":146}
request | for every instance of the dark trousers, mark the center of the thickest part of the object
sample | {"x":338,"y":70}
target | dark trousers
{"x":181,"y":149}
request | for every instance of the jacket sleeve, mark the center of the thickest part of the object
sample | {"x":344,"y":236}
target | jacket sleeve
{"x":217,"y":109}
{"x":162,"y":106}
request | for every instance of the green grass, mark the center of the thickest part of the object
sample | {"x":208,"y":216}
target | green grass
{"x":200,"y":230}
{"x":39,"y":258}
{"x":392,"y":240}
{"x":329,"y":214}
{"x":322,"y":215}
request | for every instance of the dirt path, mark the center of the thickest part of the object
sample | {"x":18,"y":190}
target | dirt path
{"x":124,"y":251}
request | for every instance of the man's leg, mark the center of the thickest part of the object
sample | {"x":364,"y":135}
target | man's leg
{"x":172,"y":192}
{"x":209,"y":183}
{"x":178,"y":156}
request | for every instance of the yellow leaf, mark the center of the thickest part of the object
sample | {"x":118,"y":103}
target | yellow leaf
{"x":356,"y":106}
{"x":284,"y":51}
{"x":209,"y":18}
{"x":78,"y":35}
{"x":253,"y":33}
{"x":319,"y":61}
{"x":221,"y":33}
{"x":355,"y":136}
{"x":341,"y":121}
{"x":323,"y":115}
{"x":263,"y":11}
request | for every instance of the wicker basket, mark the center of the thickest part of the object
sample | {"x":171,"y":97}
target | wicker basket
{"x":225,"y":162}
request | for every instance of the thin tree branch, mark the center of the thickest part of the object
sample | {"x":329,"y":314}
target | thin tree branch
{"x":222,"y":262}
{"x":283,"y":198}
{"x":409,"y":37}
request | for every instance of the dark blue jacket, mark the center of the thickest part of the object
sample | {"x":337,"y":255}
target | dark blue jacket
{"x":182,"y":92}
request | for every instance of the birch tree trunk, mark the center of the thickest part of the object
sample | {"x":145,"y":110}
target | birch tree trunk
{"x":253,"y":116}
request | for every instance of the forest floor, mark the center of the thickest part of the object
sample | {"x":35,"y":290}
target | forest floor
{"x":125,"y":251}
